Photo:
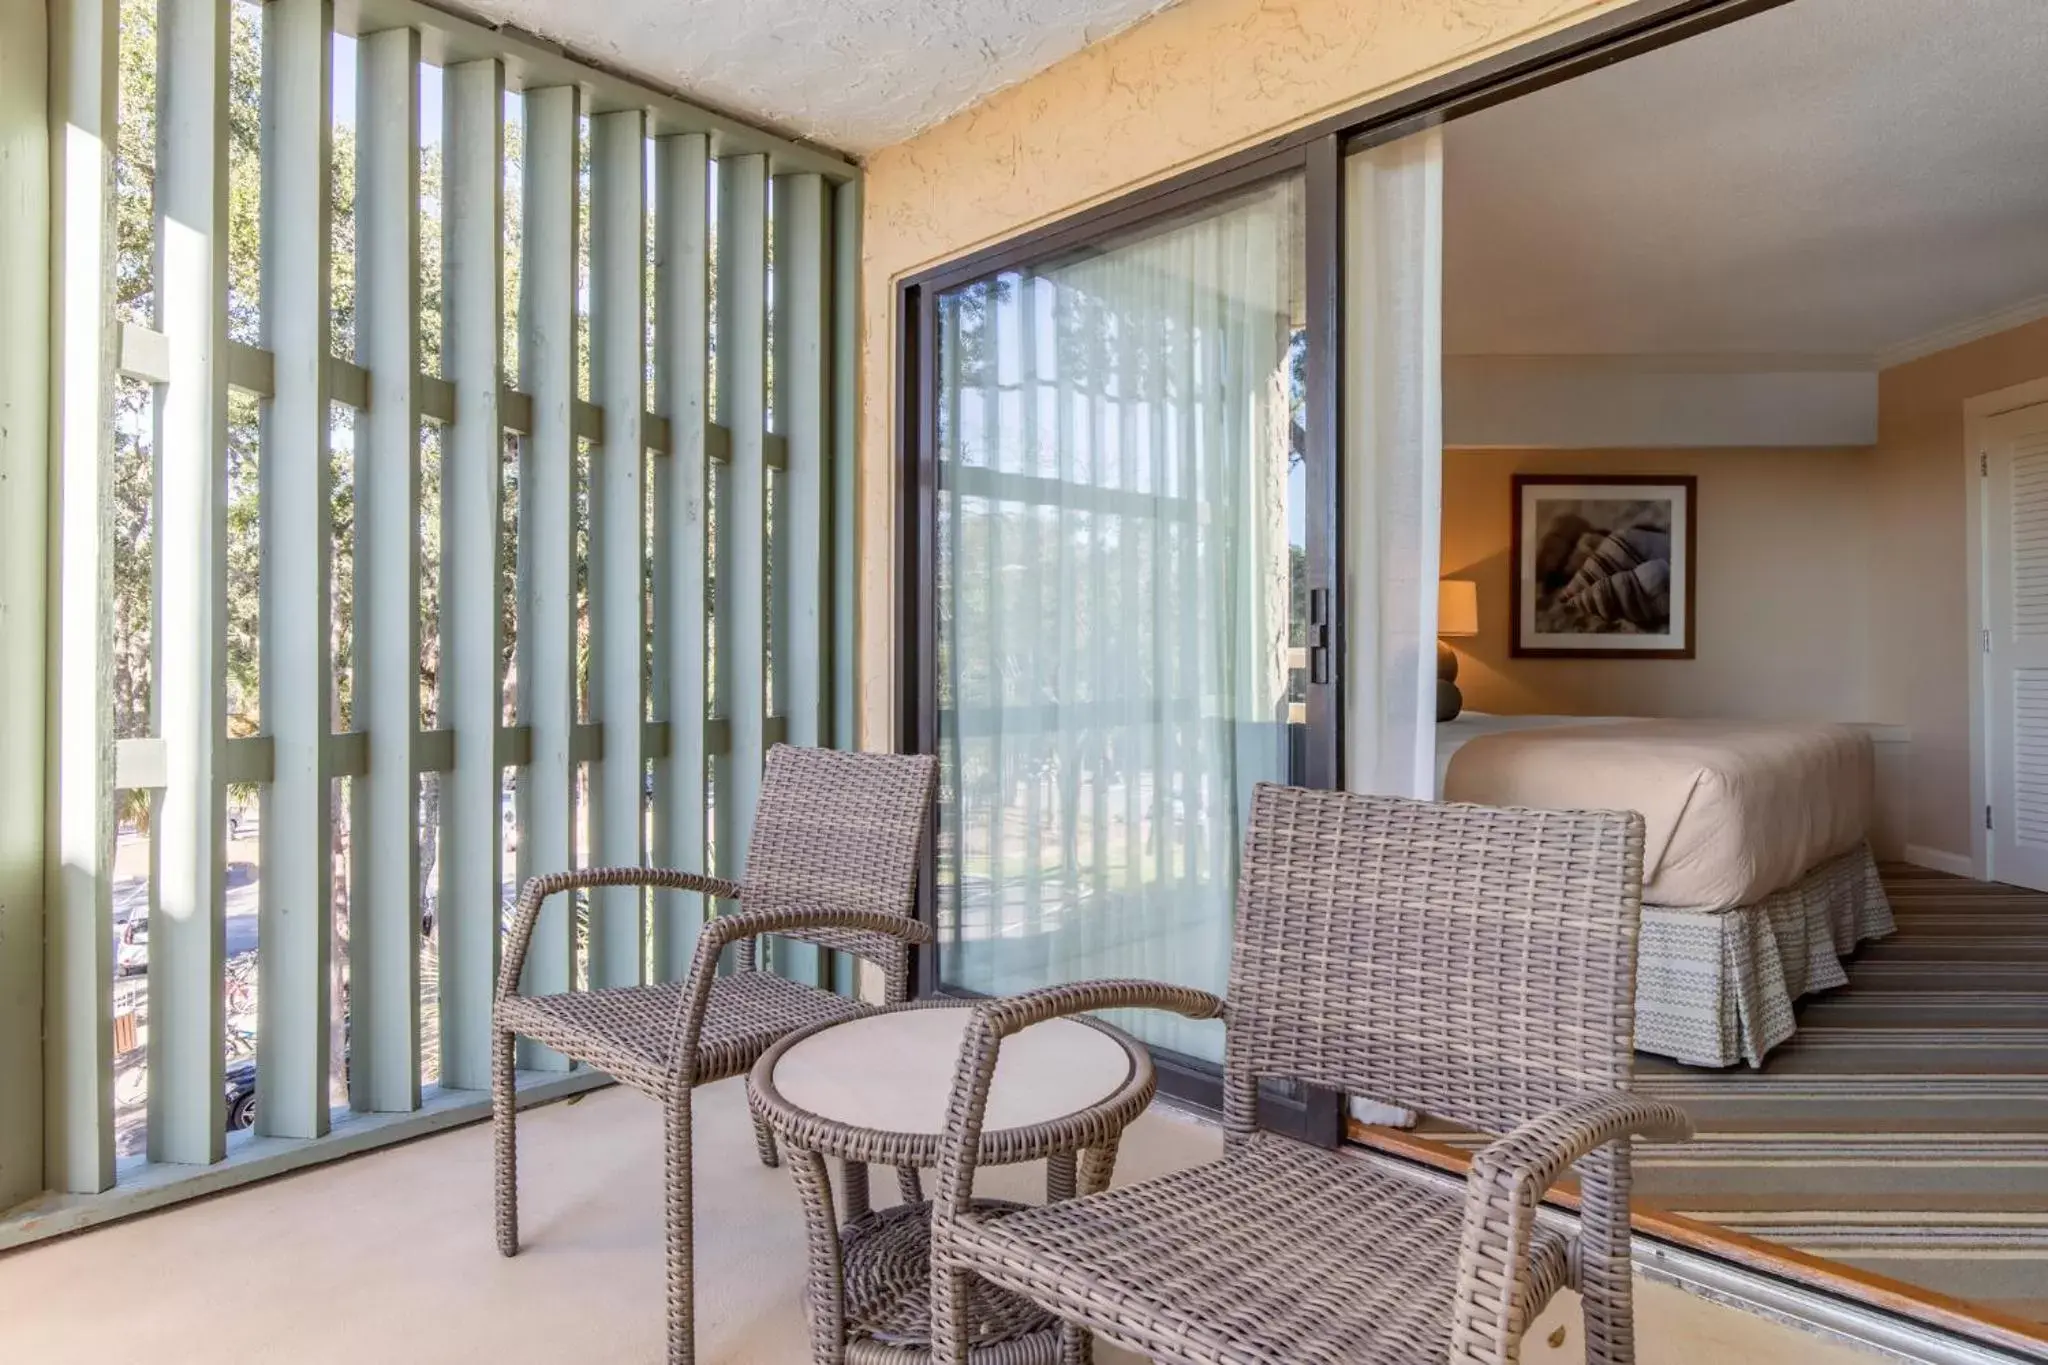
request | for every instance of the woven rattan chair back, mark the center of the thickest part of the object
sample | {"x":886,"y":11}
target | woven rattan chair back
{"x":840,"y":831}
{"x":1471,"y":963}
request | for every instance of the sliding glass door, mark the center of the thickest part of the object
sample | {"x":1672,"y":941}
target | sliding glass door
{"x":1120,"y":604}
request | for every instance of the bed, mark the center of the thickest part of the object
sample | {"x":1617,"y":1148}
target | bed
{"x":1757,"y":875}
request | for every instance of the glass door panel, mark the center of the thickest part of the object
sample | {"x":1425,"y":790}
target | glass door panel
{"x":1122,"y":598}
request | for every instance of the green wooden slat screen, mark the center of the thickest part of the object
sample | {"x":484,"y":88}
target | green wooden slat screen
{"x":674,"y":204}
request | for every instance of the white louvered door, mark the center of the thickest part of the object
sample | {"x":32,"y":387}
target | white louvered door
{"x":2016,"y":666}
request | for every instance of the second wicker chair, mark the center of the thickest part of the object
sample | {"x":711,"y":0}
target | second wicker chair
{"x":833,"y":860}
{"x":1470,"y":963}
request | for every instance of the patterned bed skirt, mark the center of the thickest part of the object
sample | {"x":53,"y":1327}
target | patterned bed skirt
{"x":1716,"y":987}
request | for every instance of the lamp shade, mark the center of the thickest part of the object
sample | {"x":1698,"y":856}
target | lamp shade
{"x":1457,"y":607}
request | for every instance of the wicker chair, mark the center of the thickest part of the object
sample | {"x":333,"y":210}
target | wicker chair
{"x":833,"y":861}
{"x":1471,"y":963}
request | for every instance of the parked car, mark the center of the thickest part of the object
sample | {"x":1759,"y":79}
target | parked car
{"x":241,"y":1095}
{"x":131,"y":956}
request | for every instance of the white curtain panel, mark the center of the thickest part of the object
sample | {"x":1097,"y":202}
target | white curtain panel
{"x":1393,"y":463}
{"x":1114,"y":566}
{"x":1393,"y":476}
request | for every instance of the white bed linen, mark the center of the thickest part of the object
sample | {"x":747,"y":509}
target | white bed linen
{"x":1733,"y":811}
{"x":1453,"y":735}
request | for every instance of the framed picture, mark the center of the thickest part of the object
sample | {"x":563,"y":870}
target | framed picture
{"x":1603,"y":567}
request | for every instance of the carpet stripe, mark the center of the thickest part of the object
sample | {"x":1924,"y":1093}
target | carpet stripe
{"x":1904,"y":1129}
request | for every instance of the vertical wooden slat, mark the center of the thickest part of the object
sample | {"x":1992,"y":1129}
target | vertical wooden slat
{"x":681,"y":322}
{"x":26,"y":454}
{"x":187,"y":932}
{"x":472,"y":255}
{"x":845,"y":463}
{"x":295,"y":894}
{"x":547,"y":659}
{"x":802,"y":618}
{"x":78,"y":969}
{"x":618,"y":533}
{"x":844,"y":481}
{"x":742,"y":616}
{"x":384,"y":924}
{"x":803,"y":417}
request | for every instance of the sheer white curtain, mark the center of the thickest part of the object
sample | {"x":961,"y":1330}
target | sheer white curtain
{"x":1117,"y":534}
{"x":1393,"y":475}
{"x":1393,"y":463}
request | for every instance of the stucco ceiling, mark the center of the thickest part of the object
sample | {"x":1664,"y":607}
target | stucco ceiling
{"x":852,"y":74}
{"x":1836,"y":177}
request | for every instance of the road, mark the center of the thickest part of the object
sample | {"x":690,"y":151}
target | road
{"x":131,"y":881}
{"x":131,"y":897}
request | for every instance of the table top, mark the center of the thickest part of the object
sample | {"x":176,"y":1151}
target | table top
{"x":894,"y":1071}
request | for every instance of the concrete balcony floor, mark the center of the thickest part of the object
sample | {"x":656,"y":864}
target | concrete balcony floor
{"x":388,"y":1256}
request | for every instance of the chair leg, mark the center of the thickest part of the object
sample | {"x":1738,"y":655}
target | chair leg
{"x":1606,"y":1284}
{"x":682,"y":1288}
{"x":949,"y":1314}
{"x":764,"y":1142}
{"x":503,"y":1142}
{"x":1065,"y":1177}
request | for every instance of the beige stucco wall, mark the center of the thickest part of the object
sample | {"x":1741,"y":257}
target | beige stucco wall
{"x":1922,"y":633}
{"x":1193,"y":83}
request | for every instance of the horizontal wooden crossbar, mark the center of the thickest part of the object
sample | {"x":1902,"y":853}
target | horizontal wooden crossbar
{"x":145,"y":354}
{"x":139,"y":763}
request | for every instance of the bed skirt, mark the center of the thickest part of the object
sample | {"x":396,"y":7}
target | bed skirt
{"x":1716,"y":987}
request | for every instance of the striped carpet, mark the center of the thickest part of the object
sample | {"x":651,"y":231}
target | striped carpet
{"x":1904,"y":1128}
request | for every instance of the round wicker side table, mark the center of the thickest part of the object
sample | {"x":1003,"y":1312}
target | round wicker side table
{"x":874,"y":1091}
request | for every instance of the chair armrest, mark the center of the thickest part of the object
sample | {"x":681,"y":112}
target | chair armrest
{"x":725,"y":929}
{"x":1529,"y":1160}
{"x":1507,"y":1179}
{"x":1009,"y":1013}
{"x":995,"y":1020}
{"x":526,"y":912}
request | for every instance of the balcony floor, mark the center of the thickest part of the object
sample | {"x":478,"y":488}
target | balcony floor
{"x":388,"y":1256}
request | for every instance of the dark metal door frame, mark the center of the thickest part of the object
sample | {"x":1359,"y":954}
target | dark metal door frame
{"x":1317,"y":152}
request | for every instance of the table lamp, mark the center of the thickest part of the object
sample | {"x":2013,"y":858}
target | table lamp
{"x":1457,"y":614}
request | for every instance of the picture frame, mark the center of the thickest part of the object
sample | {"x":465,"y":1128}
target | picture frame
{"x":1604,"y":566}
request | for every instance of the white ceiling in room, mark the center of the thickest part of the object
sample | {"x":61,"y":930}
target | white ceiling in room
{"x":852,"y":74}
{"x":1834,"y":178}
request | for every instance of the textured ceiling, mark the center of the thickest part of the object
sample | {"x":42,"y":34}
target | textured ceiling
{"x":1836,"y":177}
{"x":853,"y":74}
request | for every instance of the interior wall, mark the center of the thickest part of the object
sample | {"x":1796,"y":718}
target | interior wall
{"x":1782,"y":619}
{"x":1877,"y":536}
{"x":1923,"y":635}
{"x":1186,"y":86}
